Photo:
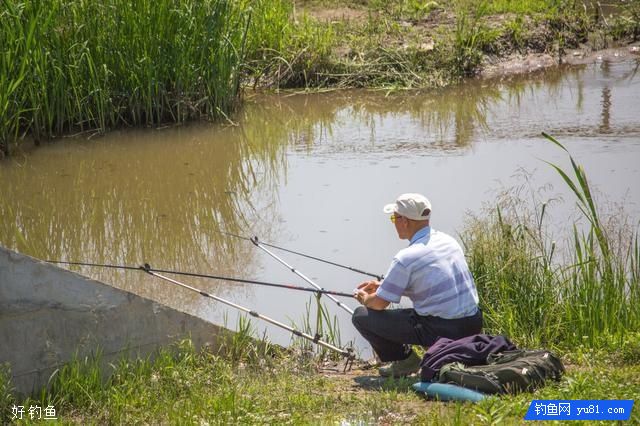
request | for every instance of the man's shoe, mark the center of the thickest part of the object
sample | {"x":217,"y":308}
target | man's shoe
{"x":402,"y":368}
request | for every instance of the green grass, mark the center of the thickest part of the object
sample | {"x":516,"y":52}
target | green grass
{"x":244,"y":381}
{"x":627,"y":23}
{"x":276,"y":387}
{"x":284,"y":51}
{"x":7,"y":400}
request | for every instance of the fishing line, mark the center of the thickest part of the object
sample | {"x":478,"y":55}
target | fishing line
{"x":359,"y":271}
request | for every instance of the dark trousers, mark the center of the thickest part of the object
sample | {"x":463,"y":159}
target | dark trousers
{"x":391,"y":331}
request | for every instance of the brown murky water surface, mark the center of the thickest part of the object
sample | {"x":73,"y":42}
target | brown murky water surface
{"x":311,"y":173}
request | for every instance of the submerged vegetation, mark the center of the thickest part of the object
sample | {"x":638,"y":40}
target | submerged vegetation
{"x":75,"y":67}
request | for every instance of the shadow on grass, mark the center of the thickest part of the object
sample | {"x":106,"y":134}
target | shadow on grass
{"x":386,"y":383}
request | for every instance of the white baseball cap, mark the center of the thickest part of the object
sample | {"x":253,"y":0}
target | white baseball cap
{"x":411,"y":206}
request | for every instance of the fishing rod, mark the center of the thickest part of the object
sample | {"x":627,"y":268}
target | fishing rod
{"x":214,"y":277}
{"x":258,"y":244}
{"x":348,"y":353}
{"x":359,"y":271}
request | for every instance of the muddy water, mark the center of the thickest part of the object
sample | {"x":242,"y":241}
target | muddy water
{"x":311,"y":173}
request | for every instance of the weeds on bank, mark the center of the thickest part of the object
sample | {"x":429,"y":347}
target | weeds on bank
{"x":178,"y":383}
{"x":325,"y":327}
{"x":627,"y":23}
{"x":7,"y":399}
{"x":244,"y":381}
{"x":406,"y":44}
{"x":471,"y":36}
{"x":285,"y":49}
{"x":538,"y":294}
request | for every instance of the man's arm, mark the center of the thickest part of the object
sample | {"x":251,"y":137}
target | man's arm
{"x":366,"y":295}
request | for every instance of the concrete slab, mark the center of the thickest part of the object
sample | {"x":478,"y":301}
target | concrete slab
{"x":49,"y":314}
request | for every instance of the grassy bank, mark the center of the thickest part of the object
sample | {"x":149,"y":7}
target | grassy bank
{"x":252,"y":386}
{"x":586,"y":293}
{"x":85,"y":68}
{"x":408,"y":43}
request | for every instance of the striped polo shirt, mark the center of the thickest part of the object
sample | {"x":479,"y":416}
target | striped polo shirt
{"x":434,"y":274}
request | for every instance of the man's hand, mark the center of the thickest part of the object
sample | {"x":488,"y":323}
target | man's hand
{"x":369,"y":286}
{"x":365,"y":293}
{"x":361,"y":296}
{"x":365,"y":288}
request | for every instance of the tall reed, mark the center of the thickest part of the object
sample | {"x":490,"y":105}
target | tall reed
{"x":589,"y":296}
{"x":326,"y":327}
{"x":79,"y":66}
{"x":602,"y":287}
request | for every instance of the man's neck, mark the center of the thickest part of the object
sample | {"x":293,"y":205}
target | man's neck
{"x":418,"y":229}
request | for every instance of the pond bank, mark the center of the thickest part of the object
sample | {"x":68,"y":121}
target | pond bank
{"x":252,"y":387}
{"x":88,"y":79}
{"x":408,"y":44}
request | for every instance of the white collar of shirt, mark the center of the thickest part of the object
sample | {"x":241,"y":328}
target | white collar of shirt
{"x":420,"y":234}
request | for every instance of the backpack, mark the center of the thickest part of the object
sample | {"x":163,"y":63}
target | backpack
{"x":506,"y":372}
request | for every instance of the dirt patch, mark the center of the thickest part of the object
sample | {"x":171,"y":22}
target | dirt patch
{"x":335,"y":14}
{"x":363,"y":380}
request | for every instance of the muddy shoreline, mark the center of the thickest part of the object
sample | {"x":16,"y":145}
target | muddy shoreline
{"x":533,"y":62}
